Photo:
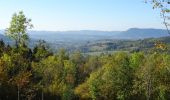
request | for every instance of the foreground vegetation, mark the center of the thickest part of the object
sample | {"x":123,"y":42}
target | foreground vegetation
{"x":40,"y":74}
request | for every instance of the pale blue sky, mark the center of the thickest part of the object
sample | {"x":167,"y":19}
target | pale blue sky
{"x":59,"y":15}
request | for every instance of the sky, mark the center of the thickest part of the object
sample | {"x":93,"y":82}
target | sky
{"x":64,"y":15}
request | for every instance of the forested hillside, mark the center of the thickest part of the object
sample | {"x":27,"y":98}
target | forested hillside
{"x":111,"y":45}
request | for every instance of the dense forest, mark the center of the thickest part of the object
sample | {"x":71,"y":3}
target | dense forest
{"x":39,"y":74}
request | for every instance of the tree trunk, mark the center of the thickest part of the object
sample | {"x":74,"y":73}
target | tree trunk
{"x":16,"y":43}
{"x":18,"y":93}
{"x":149,"y":86}
{"x":42,"y":96}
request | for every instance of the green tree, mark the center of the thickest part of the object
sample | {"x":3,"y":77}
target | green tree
{"x":18,"y":28}
{"x":112,"y":81}
{"x":21,"y":80}
{"x":151,"y":81}
{"x":41,"y":51}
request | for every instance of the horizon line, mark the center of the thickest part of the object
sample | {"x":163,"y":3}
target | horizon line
{"x":88,"y":30}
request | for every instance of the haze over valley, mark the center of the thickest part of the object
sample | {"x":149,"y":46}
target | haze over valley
{"x":88,"y":40}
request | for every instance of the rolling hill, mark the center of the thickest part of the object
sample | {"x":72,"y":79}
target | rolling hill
{"x":91,"y":40}
{"x":87,"y":35}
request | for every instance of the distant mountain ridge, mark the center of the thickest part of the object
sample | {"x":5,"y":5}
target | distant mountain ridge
{"x":144,"y":33}
{"x":3,"y":37}
{"x":83,"y":36}
{"x":88,"y":35}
